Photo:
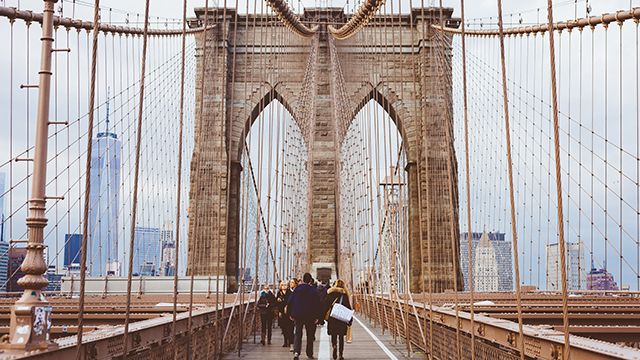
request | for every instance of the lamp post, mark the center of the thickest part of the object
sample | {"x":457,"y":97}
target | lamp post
{"x":31,"y":314}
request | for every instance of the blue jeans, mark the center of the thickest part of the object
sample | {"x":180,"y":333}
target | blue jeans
{"x":310,"y":328}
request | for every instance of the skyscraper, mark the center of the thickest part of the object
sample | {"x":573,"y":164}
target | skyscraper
{"x":2,"y":191}
{"x":4,"y":246}
{"x":104,"y":204}
{"x":147,"y":255}
{"x":485,"y":266}
{"x":576,"y":278}
{"x":54,"y":279}
{"x":16,"y":256}
{"x":4,"y":264}
{"x":72,"y":245}
{"x":168,"y":250}
{"x":501,"y":251}
{"x":600,"y":279}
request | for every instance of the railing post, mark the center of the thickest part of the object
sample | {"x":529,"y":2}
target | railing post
{"x":31,"y":314}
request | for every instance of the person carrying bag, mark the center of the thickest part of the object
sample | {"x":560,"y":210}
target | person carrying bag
{"x":339,"y":316}
{"x":341,"y":312}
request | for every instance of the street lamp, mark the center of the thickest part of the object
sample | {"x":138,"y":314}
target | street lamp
{"x":31,"y":314}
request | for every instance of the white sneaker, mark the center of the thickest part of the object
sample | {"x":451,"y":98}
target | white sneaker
{"x":291,"y":348}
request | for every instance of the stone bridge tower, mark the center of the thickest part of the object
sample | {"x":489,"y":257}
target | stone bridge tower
{"x":323,"y":82}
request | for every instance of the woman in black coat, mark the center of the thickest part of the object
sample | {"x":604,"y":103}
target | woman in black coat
{"x":337,"y":294}
{"x":284,"y":321}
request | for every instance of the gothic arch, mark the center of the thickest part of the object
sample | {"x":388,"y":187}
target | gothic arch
{"x":259,"y":99}
{"x":391,"y":102}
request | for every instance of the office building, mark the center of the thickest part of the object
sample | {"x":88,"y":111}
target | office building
{"x":168,"y":250}
{"x":104,"y":204}
{"x":4,"y":265}
{"x":147,"y":255}
{"x":72,"y":246}
{"x":576,"y":277}
{"x":54,"y":279}
{"x":501,"y":249}
{"x":600,"y":279}
{"x":16,"y":256}
{"x":168,"y":258}
{"x":2,"y":196}
{"x":485,"y":266}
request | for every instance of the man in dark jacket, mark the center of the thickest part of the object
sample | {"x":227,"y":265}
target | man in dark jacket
{"x":305,"y":310}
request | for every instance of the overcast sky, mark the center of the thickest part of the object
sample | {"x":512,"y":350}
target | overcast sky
{"x":565,"y":9}
{"x":116,"y":11}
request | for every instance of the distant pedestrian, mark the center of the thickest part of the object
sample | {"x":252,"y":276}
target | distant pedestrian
{"x":266,"y":306}
{"x":337,"y":294}
{"x":293,"y":283}
{"x":305,"y":310}
{"x":322,"y":290}
{"x":285,"y":323}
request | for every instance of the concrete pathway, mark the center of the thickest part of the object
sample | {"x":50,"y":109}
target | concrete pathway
{"x":368,"y":343}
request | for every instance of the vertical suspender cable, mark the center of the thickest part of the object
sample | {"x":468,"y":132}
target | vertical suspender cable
{"x":556,"y":144}
{"x":467,"y":176}
{"x":449,"y":164}
{"x":179,"y":182}
{"x":510,"y":175}
{"x":425,"y":145}
{"x":637,"y":157}
{"x":136,"y":180}
{"x":85,"y":222}
{"x":417,"y":164}
{"x":191,"y":253}
{"x":222,"y":116}
{"x":620,"y":174}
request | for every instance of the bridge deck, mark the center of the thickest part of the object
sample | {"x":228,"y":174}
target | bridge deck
{"x":368,"y":343}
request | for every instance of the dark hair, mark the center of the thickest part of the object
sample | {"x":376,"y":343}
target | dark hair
{"x":307,"y":278}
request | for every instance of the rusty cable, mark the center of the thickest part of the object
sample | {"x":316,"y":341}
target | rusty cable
{"x":590,"y":21}
{"x":191,"y":247}
{"x":29,"y":16}
{"x":556,"y":145}
{"x":510,"y":178}
{"x":136,"y":178}
{"x":290,"y":19}
{"x":179,"y":182}
{"x":467,"y":179}
{"x":449,"y":164}
{"x":85,"y":223}
{"x":359,"y":20}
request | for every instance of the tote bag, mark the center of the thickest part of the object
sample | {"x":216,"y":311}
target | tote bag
{"x":341,"y":312}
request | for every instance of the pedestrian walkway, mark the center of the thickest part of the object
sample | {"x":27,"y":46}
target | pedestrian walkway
{"x":368,"y":343}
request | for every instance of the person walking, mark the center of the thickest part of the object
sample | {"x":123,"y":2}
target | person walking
{"x":266,"y":306}
{"x":337,"y":294}
{"x":285,"y":323}
{"x":305,"y":310}
{"x":322,"y":290}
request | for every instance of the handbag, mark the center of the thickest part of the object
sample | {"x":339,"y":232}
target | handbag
{"x":341,"y":312}
{"x":327,"y":314}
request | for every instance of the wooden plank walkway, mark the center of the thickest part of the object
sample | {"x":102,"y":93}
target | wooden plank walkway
{"x":368,"y":343}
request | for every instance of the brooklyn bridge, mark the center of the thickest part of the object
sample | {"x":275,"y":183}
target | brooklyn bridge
{"x":473,"y":177}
